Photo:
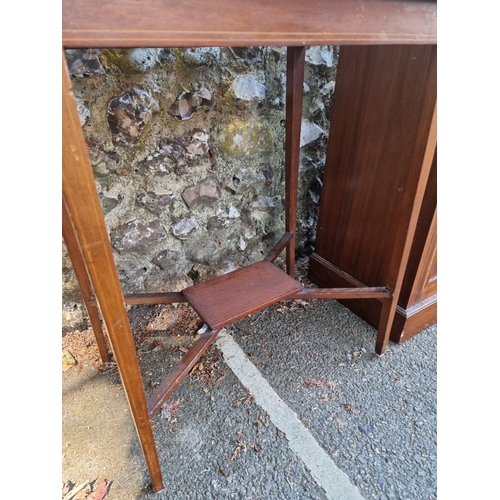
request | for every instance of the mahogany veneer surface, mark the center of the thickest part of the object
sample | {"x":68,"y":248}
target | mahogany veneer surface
{"x":178,"y":23}
{"x":383,"y":106}
{"x":222,"y":300}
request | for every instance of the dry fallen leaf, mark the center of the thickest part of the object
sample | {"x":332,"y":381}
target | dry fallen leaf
{"x":319,"y":382}
{"x":350,"y":408}
{"x":68,"y":360}
{"x":100,"y":492}
{"x":74,"y":491}
{"x":170,"y":407}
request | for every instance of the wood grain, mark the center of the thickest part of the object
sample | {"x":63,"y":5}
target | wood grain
{"x":279,"y":247}
{"x":180,"y":370}
{"x":227,"y":298}
{"x":83,"y":282}
{"x":342,"y":293}
{"x":378,"y":162}
{"x":175,"y":23}
{"x":375,"y":152}
{"x":294,"y":94}
{"x":407,"y":322}
{"x":84,"y":209}
{"x":154,"y":298}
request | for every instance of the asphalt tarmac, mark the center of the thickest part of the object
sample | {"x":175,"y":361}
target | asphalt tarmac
{"x":290,"y":403}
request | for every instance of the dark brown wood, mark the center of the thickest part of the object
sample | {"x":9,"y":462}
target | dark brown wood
{"x":227,"y":298}
{"x":382,"y":139}
{"x":181,"y":369}
{"x":420,"y":280}
{"x":408,"y":322}
{"x":83,"y":283}
{"x":84,"y":209}
{"x":316,"y":262}
{"x":154,"y":298}
{"x":425,"y":282}
{"x":282,"y":243}
{"x":399,"y":261}
{"x":294,"y":93}
{"x":417,"y":304}
{"x":173,"y":23}
{"x":342,"y":293}
{"x":374,"y":156}
{"x":149,"y":298}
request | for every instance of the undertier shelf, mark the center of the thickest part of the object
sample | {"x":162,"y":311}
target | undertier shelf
{"x":227,"y":298}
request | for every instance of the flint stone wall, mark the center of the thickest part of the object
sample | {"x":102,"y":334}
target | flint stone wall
{"x":187,"y":147}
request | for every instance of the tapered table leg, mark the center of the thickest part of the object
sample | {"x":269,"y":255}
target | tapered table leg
{"x":83,"y":282}
{"x":85,"y":214}
{"x":396,"y":280}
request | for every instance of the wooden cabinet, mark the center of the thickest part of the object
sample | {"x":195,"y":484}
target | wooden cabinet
{"x":374,"y":231}
{"x":381,"y":112}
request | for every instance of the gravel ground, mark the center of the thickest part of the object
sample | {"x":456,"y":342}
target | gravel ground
{"x":374,"y":416}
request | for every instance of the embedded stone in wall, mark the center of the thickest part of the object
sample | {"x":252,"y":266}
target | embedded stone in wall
{"x":277,"y":53}
{"x":143,"y":59}
{"x":231,"y":213}
{"x":223,"y":218}
{"x":247,"y":91}
{"x":200,"y":272}
{"x":83,"y":63}
{"x":315,"y":189}
{"x":262,"y":208}
{"x":83,"y":111}
{"x":154,"y":202}
{"x":201,"y":55}
{"x":309,"y":219}
{"x":317,"y":106}
{"x":188,"y":102}
{"x":184,"y":228}
{"x":197,"y":145}
{"x":161,"y":161}
{"x":320,"y":56}
{"x":133,"y":273}
{"x":72,"y":315}
{"x":203,"y":193}
{"x":250,"y":55}
{"x":127,"y":116}
{"x":246,"y":138}
{"x":173,"y":154}
{"x":215,"y":222}
{"x":309,"y":132}
{"x":165,"y":55}
{"x":174,"y":278}
{"x":166,"y":259}
{"x":129,"y":61}
{"x":205,"y":251}
{"x":108,"y":204}
{"x":134,"y":235}
{"x":327,"y":88}
{"x":244,"y":180}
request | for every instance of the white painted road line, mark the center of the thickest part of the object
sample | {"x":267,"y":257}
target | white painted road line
{"x":324,"y":471}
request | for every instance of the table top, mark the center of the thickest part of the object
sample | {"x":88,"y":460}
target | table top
{"x":237,"y":23}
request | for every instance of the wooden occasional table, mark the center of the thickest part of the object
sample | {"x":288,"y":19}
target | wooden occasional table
{"x":386,"y":118}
